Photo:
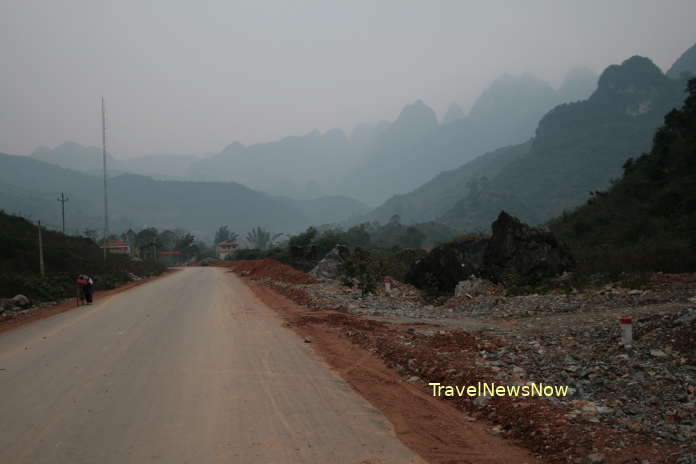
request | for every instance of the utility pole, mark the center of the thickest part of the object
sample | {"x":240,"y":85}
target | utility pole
{"x":62,"y":201}
{"x":106,"y":204}
{"x":41,"y":258}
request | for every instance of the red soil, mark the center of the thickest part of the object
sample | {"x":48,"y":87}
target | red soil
{"x":269,"y":269}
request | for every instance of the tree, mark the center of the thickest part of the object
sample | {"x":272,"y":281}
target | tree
{"x":186,"y":245}
{"x":168,"y":239}
{"x":261,"y":238}
{"x":147,"y":241}
{"x":224,"y":234}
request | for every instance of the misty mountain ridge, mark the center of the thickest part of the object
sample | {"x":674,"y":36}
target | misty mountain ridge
{"x":88,"y":159}
{"x":685,"y":66}
{"x":578,"y":148}
{"x":413,"y":149}
{"x":302,"y":167}
{"x":29,"y":187}
{"x":361,"y":166}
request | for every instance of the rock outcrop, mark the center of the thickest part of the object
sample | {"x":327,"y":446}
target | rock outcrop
{"x":473,"y":286}
{"x":448,"y":264}
{"x":16,"y":303}
{"x":516,"y":254}
{"x":331,"y":267}
{"x":520,"y":254}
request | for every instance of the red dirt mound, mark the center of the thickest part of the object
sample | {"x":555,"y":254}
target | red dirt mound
{"x":270,"y":269}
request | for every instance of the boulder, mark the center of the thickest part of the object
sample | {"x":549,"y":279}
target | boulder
{"x":6,"y":304}
{"x":331,"y":267}
{"x":473,"y":286}
{"x":209,"y":262}
{"x":518,"y":254}
{"x":21,"y":301}
{"x":446,"y":265}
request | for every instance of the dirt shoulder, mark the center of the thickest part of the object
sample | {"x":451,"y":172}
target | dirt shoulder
{"x":13,"y":321}
{"x":434,"y":429}
{"x":624,"y":405}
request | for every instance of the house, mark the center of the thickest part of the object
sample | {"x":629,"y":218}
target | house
{"x":171,"y":258}
{"x":117,"y":247}
{"x":225,"y":250}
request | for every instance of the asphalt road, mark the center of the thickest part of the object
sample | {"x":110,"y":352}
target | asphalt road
{"x":189,"y":368}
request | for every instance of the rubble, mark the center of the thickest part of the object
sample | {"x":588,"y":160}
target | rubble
{"x":21,"y":301}
{"x":475,"y":286}
{"x":14,"y":304}
{"x":620,"y":397}
{"x":331,"y":267}
{"x":209,"y":262}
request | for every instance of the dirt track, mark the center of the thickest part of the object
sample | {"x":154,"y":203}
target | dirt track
{"x":187,"y":368}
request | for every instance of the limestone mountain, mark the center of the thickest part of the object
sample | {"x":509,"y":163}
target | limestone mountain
{"x":509,"y":110}
{"x":435,"y":197}
{"x":578,"y":84}
{"x":414,"y":149}
{"x":579,"y":147}
{"x":646,"y":219}
{"x":685,"y":66}
{"x":301,"y":167}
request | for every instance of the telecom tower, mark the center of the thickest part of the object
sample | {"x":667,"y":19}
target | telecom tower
{"x":106,"y":203}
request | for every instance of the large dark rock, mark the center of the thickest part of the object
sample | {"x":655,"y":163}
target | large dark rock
{"x":518,"y":254}
{"x":446,"y":265}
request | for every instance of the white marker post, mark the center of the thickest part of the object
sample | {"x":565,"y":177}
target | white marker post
{"x":387,"y":285}
{"x":626,"y":331}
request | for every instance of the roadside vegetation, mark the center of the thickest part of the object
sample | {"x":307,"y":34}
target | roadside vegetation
{"x":645,"y":221}
{"x":64,"y":256}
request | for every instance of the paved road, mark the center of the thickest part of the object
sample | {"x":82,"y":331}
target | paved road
{"x":189,"y":368}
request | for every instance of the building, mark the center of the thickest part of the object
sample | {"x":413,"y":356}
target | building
{"x":225,"y":250}
{"x":171,"y":258}
{"x":117,"y":247}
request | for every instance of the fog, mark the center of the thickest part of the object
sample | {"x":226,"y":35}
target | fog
{"x":192,"y":77}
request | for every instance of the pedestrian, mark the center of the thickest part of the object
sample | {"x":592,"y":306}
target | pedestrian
{"x":89,"y":290}
{"x":81,"y":281}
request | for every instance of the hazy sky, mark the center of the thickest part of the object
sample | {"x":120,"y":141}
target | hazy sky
{"x":194,"y":76}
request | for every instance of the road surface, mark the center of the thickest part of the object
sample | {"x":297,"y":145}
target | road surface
{"x":189,"y":368}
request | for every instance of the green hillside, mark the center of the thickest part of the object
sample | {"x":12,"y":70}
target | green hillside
{"x":647,"y":219}
{"x":64,"y":258}
{"x":438,"y":195}
{"x":578,"y":148}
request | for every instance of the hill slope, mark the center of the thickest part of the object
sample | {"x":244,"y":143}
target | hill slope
{"x":435,"y":197}
{"x":685,"y":65}
{"x":578,"y":147}
{"x":647,"y":219}
{"x":414,"y":148}
{"x":31,"y":186}
{"x":64,"y":258}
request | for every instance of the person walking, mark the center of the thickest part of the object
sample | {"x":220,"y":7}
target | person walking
{"x":89,"y":290}
{"x":81,"y":281}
